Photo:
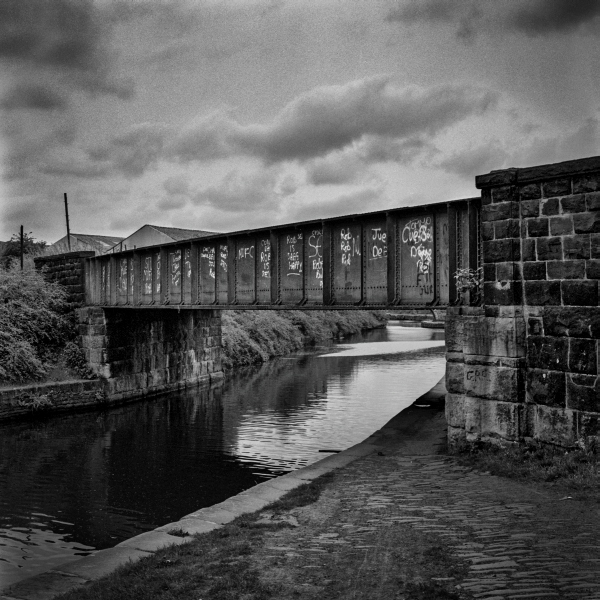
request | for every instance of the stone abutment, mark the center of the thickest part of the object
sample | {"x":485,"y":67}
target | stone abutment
{"x":525,"y":363}
{"x":140,"y":353}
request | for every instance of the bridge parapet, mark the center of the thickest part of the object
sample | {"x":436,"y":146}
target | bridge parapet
{"x":404,"y":257}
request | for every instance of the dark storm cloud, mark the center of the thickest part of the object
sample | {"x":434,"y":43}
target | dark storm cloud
{"x":35,"y":97}
{"x":67,"y":37}
{"x":530,"y":17}
{"x":332,"y":117}
{"x":540,"y":17}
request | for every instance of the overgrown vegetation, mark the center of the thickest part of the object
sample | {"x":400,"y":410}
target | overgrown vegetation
{"x":34,"y":324}
{"x":254,"y":336}
{"x":576,"y":468}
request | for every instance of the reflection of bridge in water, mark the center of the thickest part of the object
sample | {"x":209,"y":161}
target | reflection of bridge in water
{"x":394,"y":258}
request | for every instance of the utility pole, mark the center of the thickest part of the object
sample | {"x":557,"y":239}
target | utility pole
{"x":22,"y":247}
{"x":68,"y":230}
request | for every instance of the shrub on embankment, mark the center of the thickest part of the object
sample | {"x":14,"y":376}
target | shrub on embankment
{"x":255,"y":336}
{"x":34,"y":323}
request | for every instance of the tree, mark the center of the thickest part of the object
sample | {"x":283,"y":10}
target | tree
{"x":12,"y":249}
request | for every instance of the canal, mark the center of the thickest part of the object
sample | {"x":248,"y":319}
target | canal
{"x":72,"y":484}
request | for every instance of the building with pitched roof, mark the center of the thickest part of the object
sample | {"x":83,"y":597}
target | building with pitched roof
{"x":84,"y":242}
{"x":150,"y":235}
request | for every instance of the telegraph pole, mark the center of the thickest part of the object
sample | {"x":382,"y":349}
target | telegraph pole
{"x":22,"y":247}
{"x":67,"y":215}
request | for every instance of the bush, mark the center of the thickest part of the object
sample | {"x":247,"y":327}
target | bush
{"x":255,"y":336}
{"x":33,"y":322}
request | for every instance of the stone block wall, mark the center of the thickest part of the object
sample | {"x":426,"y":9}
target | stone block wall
{"x":526,"y":363}
{"x":68,"y":270}
{"x":141,"y":352}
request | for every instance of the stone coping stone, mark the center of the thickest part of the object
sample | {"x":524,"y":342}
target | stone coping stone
{"x":101,"y":563}
{"x":75,"y":573}
{"x":190,"y":525}
{"x":214,"y":514}
{"x":151,"y":541}
{"x":539,"y":173}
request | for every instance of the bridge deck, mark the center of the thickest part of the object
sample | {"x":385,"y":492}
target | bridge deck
{"x":398,"y":258}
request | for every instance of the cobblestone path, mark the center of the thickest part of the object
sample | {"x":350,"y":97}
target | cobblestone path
{"x":517,"y":540}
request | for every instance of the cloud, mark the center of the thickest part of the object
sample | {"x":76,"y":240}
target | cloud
{"x":81,"y":169}
{"x":374,"y":149}
{"x":34,"y":97}
{"x":135,"y":150}
{"x":68,"y":37}
{"x":330,"y":118}
{"x":476,"y":160}
{"x":172,"y":203}
{"x":540,"y":17}
{"x":242,"y":192}
{"x":583,"y":141}
{"x":529,"y":17}
{"x":336,"y":168}
{"x":176,"y":185}
{"x":463,"y":13}
{"x":354,"y":202}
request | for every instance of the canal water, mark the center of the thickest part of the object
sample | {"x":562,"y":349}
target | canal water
{"x":72,"y":484}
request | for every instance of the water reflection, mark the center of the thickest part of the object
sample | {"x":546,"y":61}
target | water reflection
{"x":74,"y":483}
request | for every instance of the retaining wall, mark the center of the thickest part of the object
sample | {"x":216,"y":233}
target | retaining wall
{"x":525,"y":364}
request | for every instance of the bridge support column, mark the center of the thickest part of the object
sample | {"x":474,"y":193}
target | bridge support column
{"x":526,"y":364}
{"x":144,"y":352}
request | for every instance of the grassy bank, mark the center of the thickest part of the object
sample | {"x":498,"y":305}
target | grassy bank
{"x":575,"y":469}
{"x":253,"y":336}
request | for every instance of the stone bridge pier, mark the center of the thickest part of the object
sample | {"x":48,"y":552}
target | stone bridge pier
{"x":526,"y":362}
{"x":144,"y":352}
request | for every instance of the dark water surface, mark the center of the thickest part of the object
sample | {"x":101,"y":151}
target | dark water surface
{"x":71,"y":484}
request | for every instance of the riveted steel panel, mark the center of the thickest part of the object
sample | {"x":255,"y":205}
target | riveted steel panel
{"x":175,"y":283}
{"x":222,"y":274}
{"x":186,"y":276}
{"x":347,"y":269}
{"x":146,"y":275}
{"x":263,"y":264}
{"x":376,"y":274}
{"x":417,"y":266}
{"x":314,"y":265}
{"x":207,"y":277}
{"x":122,"y":280}
{"x":245,"y":271}
{"x":292,"y":267}
{"x":442,"y":264}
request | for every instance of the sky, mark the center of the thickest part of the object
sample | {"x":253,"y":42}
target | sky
{"x":223,"y":115}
